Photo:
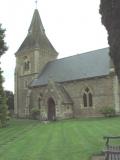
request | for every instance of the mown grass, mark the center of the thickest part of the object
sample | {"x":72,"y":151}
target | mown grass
{"x":63,"y":140}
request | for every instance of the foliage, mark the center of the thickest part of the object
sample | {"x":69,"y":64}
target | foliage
{"x":3,"y":46}
{"x":10,"y":100}
{"x":110,"y":11}
{"x":3,"y":106}
{"x":108,"y":111}
{"x":35,"y":113}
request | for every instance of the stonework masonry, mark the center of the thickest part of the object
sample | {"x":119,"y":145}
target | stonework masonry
{"x":54,"y":94}
{"x":102,"y":90}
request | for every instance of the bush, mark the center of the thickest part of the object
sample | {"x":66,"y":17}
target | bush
{"x":3,"y":114}
{"x":108,"y":111}
{"x":3,"y":105}
{"x":35,"y":112}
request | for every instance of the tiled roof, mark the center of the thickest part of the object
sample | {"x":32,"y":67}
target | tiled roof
{"x":36,"y":37}
{"x":66,"y":99}
{"x":88,"y":65}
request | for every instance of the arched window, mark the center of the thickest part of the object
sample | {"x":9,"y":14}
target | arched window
{"x":25,"y":84}
{"x":39,"y":100}
{"x":90,"y":99}
{"x":26,"y":64}
{"x":87,"y":98}
{"x":39,"y":103}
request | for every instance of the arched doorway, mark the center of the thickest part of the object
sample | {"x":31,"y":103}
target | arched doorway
{"x":51,"y":110}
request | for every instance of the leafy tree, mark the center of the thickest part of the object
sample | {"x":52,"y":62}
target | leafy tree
{"x":3,"y":106}
{"x":10,"y":100}
{"x":110,"y":11}
{"x":3,"y":46}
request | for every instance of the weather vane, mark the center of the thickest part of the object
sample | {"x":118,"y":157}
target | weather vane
{"x":36,"y":3}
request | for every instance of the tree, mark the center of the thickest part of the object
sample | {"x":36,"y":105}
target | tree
{"x":110,"y":12}
{"x":10,"y":100}
{"x":3,"y":106}
{"x":3,"y":46}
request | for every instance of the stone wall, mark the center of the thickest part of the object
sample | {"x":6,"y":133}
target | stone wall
{"x":37,"y":58}
{"x":63,"y":110}
{"x":102,"y":92}
{"x":102,"y":89}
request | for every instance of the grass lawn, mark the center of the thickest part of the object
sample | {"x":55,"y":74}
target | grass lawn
{"x":63,"y":140}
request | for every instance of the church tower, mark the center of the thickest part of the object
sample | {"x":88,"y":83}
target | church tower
{"x":32,"y":56}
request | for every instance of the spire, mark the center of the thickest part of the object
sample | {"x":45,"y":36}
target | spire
{"x":36,"y":24}
{"x":36,"y":37}
{"x":36,"y":3}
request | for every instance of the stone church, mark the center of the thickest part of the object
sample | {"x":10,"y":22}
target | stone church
{"x":75,"y":86}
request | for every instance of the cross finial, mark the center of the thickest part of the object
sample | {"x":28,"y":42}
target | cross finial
{"x":36,"y":3}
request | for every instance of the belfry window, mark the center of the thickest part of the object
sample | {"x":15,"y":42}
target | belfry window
{"x":26,"y":64}
{"x":25,"y":84}
{"x":87,"y":98}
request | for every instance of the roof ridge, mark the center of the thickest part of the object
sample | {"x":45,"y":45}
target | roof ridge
{"x":36,"y":37}
{"x":89,"y":66}
{"x":79,"y":54}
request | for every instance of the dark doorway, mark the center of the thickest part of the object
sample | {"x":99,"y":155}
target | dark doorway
{"x":51,"y":110}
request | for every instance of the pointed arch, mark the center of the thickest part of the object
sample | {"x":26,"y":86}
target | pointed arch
{"x":90,"y":99}
{"x":51,"y":109}
{"x":26,"y":64}
{"x":39,"y":100}
{"x":87,"y":97}
{"x":85,"y":100}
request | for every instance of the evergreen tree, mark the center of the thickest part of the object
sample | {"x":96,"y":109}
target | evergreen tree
{"x":3,"y":106}
{"x":10,"y":100}
{"x":110,"y":11}
{"x":3,"y":46}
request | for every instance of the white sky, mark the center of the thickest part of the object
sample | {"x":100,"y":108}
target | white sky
{"x":72,"y":26}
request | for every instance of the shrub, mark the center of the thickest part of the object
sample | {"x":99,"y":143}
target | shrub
{"x":35,"y":112}
{"x":3,"y":113}
{"x":108,"y":111}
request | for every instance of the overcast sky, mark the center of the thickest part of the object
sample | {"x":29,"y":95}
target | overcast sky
{"x":72,"y":26}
